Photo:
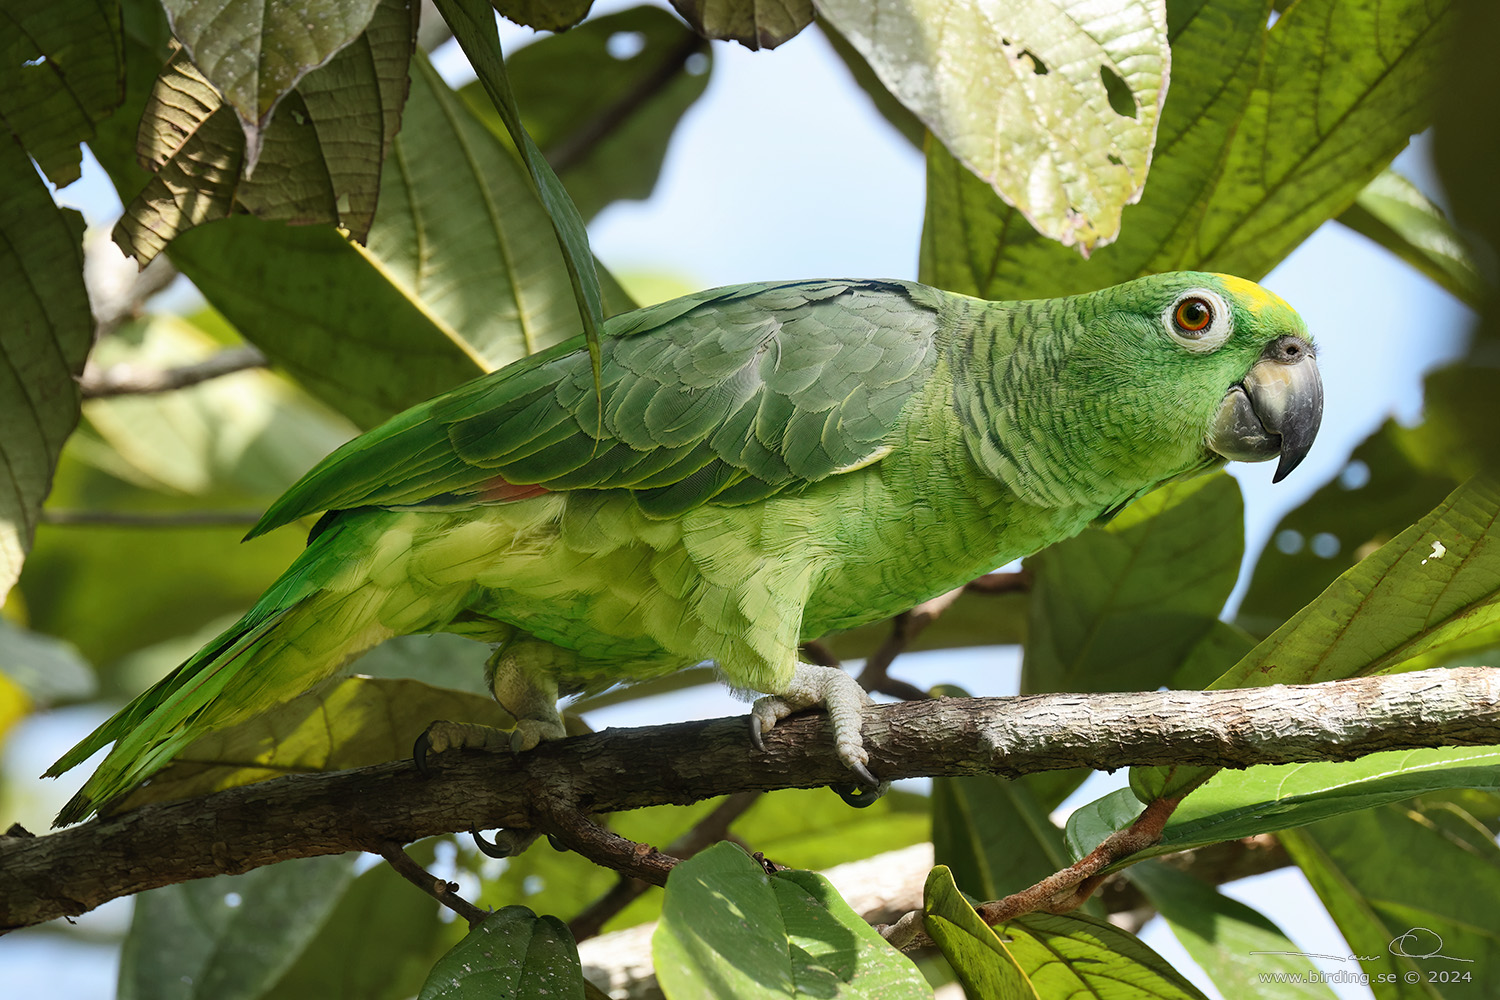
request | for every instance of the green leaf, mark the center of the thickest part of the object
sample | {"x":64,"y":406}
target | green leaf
{"x":755,"y":24}
{"x":255,"y":53}
{"x":43,"y":342}
{"x":1271,"y":798}
{"x":1121,"y":607}
{"x":319,"y":161}
{"x":474,"y":27}
{"x":1394,"y":212}
{"x":1234,"y":944}
{"x":61,"y":71}
{"x":231,"y":937}
{"x":544,"y":15}
{"x":1266,"y":133}
{"x":993,"y":835}
{"x":1043,"y":955}
{"x":1382,"y":490}
{"x":341,"y":723}
{"x":1054,"y":103}
{"x":512,"y":953}
{"x":378,"y":944}
{"x":1432,"y":591}
{"x":603,"y":115}
{"x":728,"y":929}
{"x":1411,"y":887}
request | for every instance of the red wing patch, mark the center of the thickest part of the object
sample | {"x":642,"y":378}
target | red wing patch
{"x":501,"y":490}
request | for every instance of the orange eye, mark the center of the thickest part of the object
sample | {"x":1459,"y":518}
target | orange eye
{"x":1193,"y":315}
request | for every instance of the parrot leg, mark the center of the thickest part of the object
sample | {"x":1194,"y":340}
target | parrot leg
{"x":839,"y":694}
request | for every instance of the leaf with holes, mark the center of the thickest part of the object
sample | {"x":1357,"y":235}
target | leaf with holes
{"x":1267,"y":132}
{"x":1053,"y":103}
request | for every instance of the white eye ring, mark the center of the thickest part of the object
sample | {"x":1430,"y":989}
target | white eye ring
{"x":1208,"y":337}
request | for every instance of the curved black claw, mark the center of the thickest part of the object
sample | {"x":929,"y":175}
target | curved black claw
{"x":507,"y":843}
{"x":861,"y":796}
{"x":755,"y":733}
{"x":488,"y":848}
{"x":419,"y":751}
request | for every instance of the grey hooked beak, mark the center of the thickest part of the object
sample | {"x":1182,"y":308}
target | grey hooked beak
{"x":1276,"y":410}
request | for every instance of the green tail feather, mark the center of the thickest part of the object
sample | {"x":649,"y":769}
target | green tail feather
{"x":150,"y":730}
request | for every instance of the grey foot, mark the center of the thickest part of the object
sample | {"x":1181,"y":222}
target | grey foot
{"x":844,"y":701}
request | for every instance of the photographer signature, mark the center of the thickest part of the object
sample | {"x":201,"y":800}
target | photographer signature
{"x":1418,"y":942}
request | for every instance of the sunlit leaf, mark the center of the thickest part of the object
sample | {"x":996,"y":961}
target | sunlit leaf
{"x":1265,"y":135}
{"x":43,"y":340}
{"x":1434,"y":588}
{"x":513,"y":953}
{"x":1270,"y":798}
{"x":1054,"y":103}
{"x":1042,"y":955}
{"x":1394,"y":212}
{"x":231,"y":937}
{"x":755,"y":24}
{"x":61,"y":71}
{"x":730,"y":929}
{"x":342,"y":723}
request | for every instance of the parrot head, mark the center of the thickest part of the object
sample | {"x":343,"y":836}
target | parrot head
{"x":1216,"y":355}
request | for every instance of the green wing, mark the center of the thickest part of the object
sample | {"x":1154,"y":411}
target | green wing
{"x":727,"y":396}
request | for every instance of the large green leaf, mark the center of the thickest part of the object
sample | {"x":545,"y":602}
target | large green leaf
{"x":320,"y":161}
{"x":513,"y":953}
{"x":1121,"y":607}
{"x":1430,"y":593}
{"x":255,"y":52}
{"x":1043,"y":955}
{"x":1234,"y":944}
{"x":461,"y":272}
{"x":544,"y":15}
{"x":1271,"y":798}
{"x":43,"y":340}
{"x":1266,"y":133}
{"x":341,"y":723}
{"x":231,"y":937}
{"x":1412,"y":887}
{"x":61,"y":71}
{"x":755,"y":24}
{"x":728,"y":929}
{"x":1382,"y":490}
{"x":1053,"y":103}
{"x":601,"y":101}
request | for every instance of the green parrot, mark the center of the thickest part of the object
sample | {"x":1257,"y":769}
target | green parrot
{"x":759,"y":465}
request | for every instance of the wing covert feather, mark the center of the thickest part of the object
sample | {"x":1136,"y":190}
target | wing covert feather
{"x":726,"y":396}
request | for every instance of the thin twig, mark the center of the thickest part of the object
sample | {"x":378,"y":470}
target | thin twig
{"x":904,"y":628}
{"x":145,"y":519}
{"x":566,"y":825}
{"x":134,"y":380}
{"x":443,"y":891}
{"x":708,"y":831}
{"x":1018,"y":582}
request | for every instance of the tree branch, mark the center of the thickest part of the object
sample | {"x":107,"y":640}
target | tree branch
{"x":123,"y":380}
{"x":72,"y":871}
